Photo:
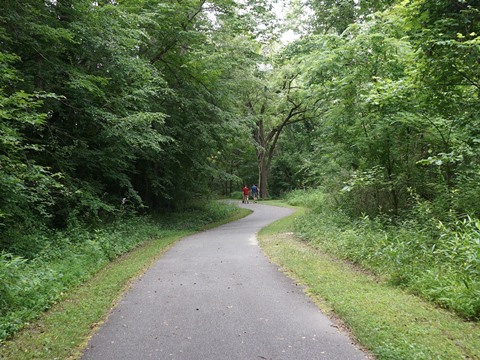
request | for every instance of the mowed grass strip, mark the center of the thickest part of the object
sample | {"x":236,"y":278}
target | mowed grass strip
{"x":387,"y":321}
{"x":64,"y":330}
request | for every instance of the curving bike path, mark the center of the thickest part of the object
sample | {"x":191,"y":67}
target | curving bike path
{"x":215,"y":296}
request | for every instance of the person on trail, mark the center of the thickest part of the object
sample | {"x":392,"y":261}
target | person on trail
{"x":245,"y":191}
{"x":254,"y":192}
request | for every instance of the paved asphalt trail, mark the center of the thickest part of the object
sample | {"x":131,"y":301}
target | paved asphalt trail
{"x":215,"y":296}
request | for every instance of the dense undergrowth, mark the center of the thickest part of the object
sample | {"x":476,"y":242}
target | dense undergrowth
{"x":437,"y":261}
{"x":32,"y":282}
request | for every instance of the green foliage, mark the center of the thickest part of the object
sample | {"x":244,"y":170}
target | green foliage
{"x":311,"y":199}
{"x":109,"y":108}
{"x":238,"y":195}
{"x":334,"y":16}
{"x":375,"y":142}
{"x":25,"y":187}
{"x":436,"y":261}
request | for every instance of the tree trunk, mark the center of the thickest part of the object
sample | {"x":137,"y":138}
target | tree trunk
{"x":263,"y":173}
{"x":267,"y":142}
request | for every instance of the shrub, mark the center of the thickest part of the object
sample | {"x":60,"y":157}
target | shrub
{"x":438,"y":261}
{"x":236,"y":195}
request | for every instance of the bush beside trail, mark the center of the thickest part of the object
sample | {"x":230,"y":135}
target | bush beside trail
{"x":435,"y":260}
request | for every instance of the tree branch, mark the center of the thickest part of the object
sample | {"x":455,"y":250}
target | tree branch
{"x":466,"y":77}
{"x":184,"y":27}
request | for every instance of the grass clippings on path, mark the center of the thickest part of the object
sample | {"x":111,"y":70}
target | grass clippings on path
{"x":387,"y":321}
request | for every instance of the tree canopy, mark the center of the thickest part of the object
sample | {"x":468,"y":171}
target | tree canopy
{"x":148,"y":104}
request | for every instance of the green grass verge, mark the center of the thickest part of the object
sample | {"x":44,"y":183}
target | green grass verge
{"x":387,"y":321}
{"x":63,"y":331}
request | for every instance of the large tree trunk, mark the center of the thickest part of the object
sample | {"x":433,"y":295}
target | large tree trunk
{"x":263,"y":173}
{"x":266,"y":142}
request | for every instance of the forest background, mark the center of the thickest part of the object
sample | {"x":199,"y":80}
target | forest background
{"x":111,"y":109}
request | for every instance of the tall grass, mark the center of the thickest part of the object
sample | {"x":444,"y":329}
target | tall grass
{"x":440,"y":262}
{"x":31,"y":283}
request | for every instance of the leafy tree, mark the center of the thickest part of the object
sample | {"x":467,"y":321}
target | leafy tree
{"x":25,"y":187}
{"x":143,"y":98}
{"x":272,"y":101}
{"x":334,"y":16}
{"x":360,"y":120}
{"x":377,"y":135}
{"x":446,"y":35}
